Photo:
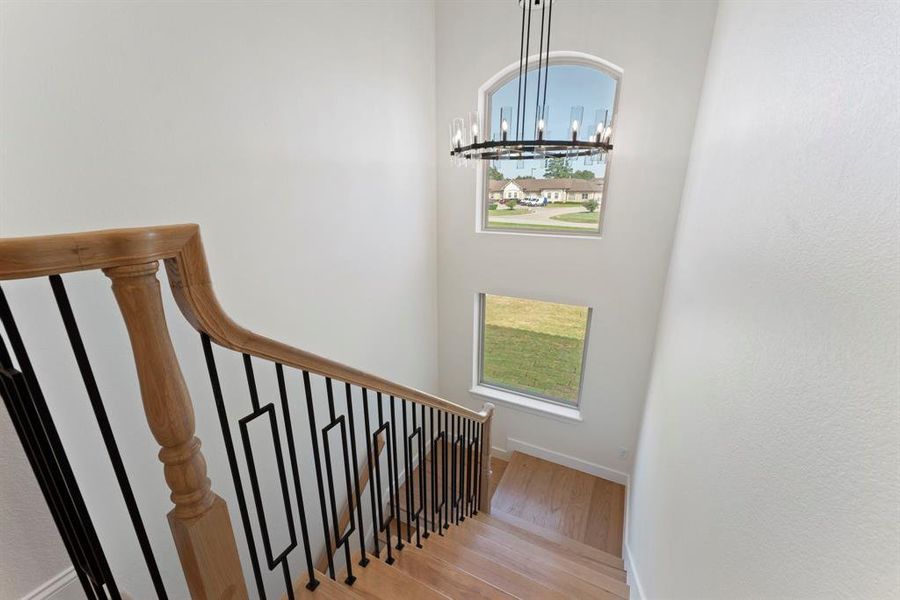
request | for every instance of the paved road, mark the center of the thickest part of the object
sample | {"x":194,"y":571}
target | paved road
{"x":540,"y":215}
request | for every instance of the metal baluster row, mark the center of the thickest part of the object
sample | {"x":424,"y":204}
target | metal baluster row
{"x":34,"y":425}
{"x":440,"y":473}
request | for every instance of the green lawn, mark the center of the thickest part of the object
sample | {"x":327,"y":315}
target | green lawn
{"x":535,"y":347}
{"x":506,"y":212}
{"x":582,"y":217}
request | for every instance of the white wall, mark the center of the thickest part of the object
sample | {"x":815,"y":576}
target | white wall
{"x":662,"y":47}
{"x":299,"y":135}
{"x":769,"y":463}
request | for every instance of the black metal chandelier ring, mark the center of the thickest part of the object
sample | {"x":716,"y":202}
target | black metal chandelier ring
{"x":525,"y":149}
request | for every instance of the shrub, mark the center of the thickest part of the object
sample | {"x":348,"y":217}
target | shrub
{"x":511,"y":203}
{"x":590,"y":205}
{"x":492,"y":206}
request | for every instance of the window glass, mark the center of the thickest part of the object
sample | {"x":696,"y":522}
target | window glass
{"x":533,"y":347}
{"x":555,"y":195}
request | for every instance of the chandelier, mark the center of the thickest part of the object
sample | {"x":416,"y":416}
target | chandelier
{"x":518,"y":140}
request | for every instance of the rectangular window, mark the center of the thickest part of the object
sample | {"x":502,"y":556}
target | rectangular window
{"x":533,"y":348}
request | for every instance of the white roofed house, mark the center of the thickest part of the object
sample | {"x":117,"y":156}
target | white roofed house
{"x":568,"y":189}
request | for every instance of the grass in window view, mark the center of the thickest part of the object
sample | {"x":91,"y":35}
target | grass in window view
{"x":533,"y":347}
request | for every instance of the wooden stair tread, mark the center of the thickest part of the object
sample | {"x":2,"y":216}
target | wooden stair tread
{"x":550,"y":558}
{"x":552,"y":574}
{"x":381,"y":581}
{"x":547,"y":538}
{"x":328,"y":589}
{"x":426,"y":566}
{"x":520,"y":585}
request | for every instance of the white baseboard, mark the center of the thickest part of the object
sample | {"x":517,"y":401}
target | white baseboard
{"x":567,"y":461}
{"x":500,"y":453}
{"x":53,"y":586}
{"x":634,"y":580}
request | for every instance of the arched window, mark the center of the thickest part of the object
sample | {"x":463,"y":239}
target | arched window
{"x":560,"y":196}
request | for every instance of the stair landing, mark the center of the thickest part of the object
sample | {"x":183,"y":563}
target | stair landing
{"x":576,"y":505}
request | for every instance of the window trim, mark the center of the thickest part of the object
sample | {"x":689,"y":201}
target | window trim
{"x":529,"y":401}
{"x":557,"y":57}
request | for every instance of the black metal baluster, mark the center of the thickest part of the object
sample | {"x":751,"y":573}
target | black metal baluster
{"x":433,"y":438}
{"x":312,"y":583}
{"x":232,"y":462}
{"x":392,"y":481}
{"x":11,"y":382}
{"x":423,"y":488}
{"x":369,"y":454}
{"x":313,"y":434}
{"x":445,"y":473}
{"x":408,"y":478}
{"x":396,"y":472}
{"x":363,"y":561}
{"x":340,"y":539}
{"x":59,"y":469}
{"x":268,"y":410}
{"x":470,"y":485}
{"x":478,"y":458}
{"x":454,"y":514}
{"x":465,"y":474}
{"x":109,"y":439}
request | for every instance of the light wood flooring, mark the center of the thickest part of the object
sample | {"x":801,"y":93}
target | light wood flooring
{"x":579,"y":506}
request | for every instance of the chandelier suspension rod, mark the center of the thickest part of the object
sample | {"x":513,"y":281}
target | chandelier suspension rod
{"x":537,"y":96}
{"x":519,"y":92}
{"x":547,"y":61}
{"x":525,"y":84}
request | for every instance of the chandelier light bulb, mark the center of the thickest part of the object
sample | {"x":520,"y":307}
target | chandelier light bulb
{"x":504,"y":125}
{"x":541,"y":125}
{"x":575,"y":125}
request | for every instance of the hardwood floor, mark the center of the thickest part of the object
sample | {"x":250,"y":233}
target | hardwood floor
{"x":580,"y":506}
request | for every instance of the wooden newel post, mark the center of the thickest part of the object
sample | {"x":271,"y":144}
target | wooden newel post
{"x":199,"y":521}
{"x":485,"y":487}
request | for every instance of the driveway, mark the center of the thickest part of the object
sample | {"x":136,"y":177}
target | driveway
{"x":540,"y":215}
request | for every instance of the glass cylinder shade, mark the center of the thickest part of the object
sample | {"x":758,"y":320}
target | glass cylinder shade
{"x":474,"y":129}
{"x":505,"y":124}
{"x":576,"y":121}
{"x":541,"y":132}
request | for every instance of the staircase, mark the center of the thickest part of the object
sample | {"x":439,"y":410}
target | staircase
{"x":494,"y":556}
{"x":413,"y":470}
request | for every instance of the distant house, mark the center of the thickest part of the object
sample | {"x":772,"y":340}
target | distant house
{"x":568,"y":189}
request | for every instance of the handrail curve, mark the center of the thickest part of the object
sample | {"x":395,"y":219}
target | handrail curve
{"x":181,"y":249}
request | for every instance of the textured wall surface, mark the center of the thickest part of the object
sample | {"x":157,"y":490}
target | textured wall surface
{"x":769,"y":458}
{"x":662,"y":47}
{"x":250,"y":119}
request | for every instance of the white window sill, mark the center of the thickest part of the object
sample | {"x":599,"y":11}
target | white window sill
{"x":528,"y":404}
{"x":538,"y":233}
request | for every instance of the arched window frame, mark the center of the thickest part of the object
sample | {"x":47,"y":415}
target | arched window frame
{"x":501,"y":78}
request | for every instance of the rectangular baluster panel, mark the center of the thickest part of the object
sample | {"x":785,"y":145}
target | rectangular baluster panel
{"x":384,"y":526}
{"x":415,"y":506}
{"x":312,"y":582}
{"x":357,"y":494}
{"x":423,"y":488}
{"x":396,"y":471}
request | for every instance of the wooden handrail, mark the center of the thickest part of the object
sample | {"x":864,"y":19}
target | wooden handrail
{"x":200,"y":522}
{"x":181,"y":248}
